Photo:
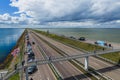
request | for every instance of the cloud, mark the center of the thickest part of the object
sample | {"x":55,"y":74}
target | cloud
{"x":22,"y":19}
{"x":53,"y":10}
{"x":67,"y":12}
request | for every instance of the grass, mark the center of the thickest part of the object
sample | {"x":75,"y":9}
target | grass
{"x":15,"y":77}
{"x":112,"y":56}
{"x":86,"y":46}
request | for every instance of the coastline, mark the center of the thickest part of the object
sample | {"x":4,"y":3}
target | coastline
{"x":115,"y":45}
{"x":6,"y":63}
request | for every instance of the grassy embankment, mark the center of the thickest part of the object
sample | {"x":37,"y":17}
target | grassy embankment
{"x":15,"y":77}
{"x":113,"y":56}
{"x":86,"y":46}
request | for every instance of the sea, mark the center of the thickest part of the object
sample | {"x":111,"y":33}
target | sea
{"x":103,"y":34}
{"x":8,"y":39}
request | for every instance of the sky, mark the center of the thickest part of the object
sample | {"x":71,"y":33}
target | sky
{"x":60,"y":13}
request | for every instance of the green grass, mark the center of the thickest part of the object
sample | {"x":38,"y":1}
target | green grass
{"x":112,"y":56}
{"x":85,"y":46}
{"x":15,"y":77}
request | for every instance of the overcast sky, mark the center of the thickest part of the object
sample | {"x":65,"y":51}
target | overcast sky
{"x":60,"y":13}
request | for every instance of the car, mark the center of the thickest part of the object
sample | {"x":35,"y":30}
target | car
{"x":26,"y":36}
{"x":32,"y":69}
{"x":33,"y":43}
{"x":30,"y":59}
{"x":31,"y":56}
{"x":29,"y":49}
{"x":95,"y":42}
{"x":72,"y":37}
{"x":82,"y":39}
{"x":28,"y":43}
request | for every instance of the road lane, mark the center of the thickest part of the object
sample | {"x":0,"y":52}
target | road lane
{"x":44,"y":72}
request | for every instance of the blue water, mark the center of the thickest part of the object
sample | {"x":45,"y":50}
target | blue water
{"x":105,"y":34}
{"x":8,"y":39}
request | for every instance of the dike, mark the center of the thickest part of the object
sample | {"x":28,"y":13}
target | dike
{"x":9,"y":58}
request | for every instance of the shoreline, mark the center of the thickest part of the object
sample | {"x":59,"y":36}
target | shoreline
{"x":115,"y":45}
{"x":89,"y":33}
{"x":6,"y":63}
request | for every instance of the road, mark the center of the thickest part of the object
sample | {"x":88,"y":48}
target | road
{"x":44,"y":72}
{"x":66,"y":69}
{"x":105,"y":68}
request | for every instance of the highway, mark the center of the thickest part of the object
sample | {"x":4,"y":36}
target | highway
{"x":44,"y":72}
{"x":66,"y":70}
{"x":104,"y":68}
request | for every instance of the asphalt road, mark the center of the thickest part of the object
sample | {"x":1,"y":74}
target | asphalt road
{"x":44,"y":72}
{"x":105,"y":68}
{"x":66,"y":69}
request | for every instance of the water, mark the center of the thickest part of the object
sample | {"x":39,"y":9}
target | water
{"x":8,"y":39}
{"x":111,"y":34}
